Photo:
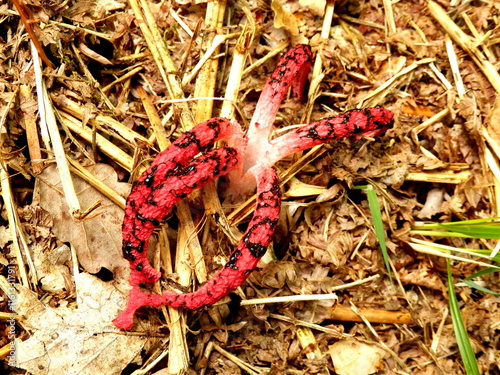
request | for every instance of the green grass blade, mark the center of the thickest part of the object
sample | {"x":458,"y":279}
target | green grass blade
{"x":480,"y":273}
{"x":378,"y":225}
{"x":484,"y":252}
{"x":493,"y":220}
{"x":466,"y":352}
{"x":472,"y":284}
{"x":488,"y":228}
{"x":438,"y":233}
{"x":489,"y":231}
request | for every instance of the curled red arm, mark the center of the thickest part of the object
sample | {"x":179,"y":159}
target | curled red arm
{"x":242,"y":261}
{"x":170,"y":178}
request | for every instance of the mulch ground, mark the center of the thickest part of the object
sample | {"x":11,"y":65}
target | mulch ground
{"x":113,"y":82}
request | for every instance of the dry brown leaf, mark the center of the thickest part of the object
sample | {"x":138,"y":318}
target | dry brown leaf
{"x":69,"y":340}
{"x":97,"y":241}
{"x":284,"y":18}
{"x":494,"y":123}
{"x":422,"y":276}
{"x":53,"y":268}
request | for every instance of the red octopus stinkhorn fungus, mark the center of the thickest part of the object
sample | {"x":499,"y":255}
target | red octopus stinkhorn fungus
{"x":176,"y":172}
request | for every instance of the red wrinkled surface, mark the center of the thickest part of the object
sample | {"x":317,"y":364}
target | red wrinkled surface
{"x":291,"y":71}
{"x":368,"y":122}
{"x":174,"y":174}
{"x":171,"y":177}
{"x":242,"y":262}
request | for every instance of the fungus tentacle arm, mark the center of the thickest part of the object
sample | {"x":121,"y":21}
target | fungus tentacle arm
{"x":291,"y":71}
{"x":355,"y":123}
{"x":242,"y":261}
{"x":170,"y":178}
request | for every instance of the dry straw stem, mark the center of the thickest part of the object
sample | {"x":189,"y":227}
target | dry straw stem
{"x":159,"y":133}
{"x":124,"y":77}
{"x":467,"y":43}
{"x":439,"y":332}
{"x":5,"y":351}
{"x":389,"y":17}
{"x":96,"y":183}
{"x":206,"y":65}
{"x":156,"y":358}
{"x":317,"y":74}
{"x":444,"y":177}
{"x":105,"y":146}
{"x":161,"y":56}
{"x":32,"y":135}
{"x":288,"y":299}
{"x":252,"y":370}
{"x":358,"y":21}
{"x":19,"y":241}
{"x":346,"y":314}
{"x":307,"y":340}
{"x":492,"y":155}
{"x":83,"y":30}
{"x":236,"y":72}
{"x":492,"y":142}
{"x":335,"y":332}
{"x":452,"y":57}
{"x":494,"y":167}
{"x":481,"y":39}
{"x":375,"y":97}
{"x":444,"y":251}
{"x":4,"y":315}
{"x":432,"y":120}
{"x":103,"y":123}
{"x":275,"y":51}
{"x":207,"y":77}
{"x":492,"y":163}
{"x":440,"y":76}
{"x":48,"y":121}
{"x":181,"y":23}
{"x":203,"y":359}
